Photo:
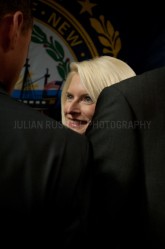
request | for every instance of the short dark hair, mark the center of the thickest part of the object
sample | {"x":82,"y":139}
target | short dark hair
{"x":11,"y":6}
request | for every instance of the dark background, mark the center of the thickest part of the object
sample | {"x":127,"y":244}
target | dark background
{"x":141,"y":26}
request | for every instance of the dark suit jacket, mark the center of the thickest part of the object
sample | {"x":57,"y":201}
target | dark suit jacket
{"x":128,"y":139}
{"x":44,"y":191}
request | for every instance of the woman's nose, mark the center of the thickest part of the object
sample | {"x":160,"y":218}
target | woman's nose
{"x":74,"y":107}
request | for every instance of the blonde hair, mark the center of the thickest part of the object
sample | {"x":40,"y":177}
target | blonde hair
{"x":96,"y":74}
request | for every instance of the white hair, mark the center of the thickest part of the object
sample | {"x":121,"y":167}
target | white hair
{"x":96,"y":74}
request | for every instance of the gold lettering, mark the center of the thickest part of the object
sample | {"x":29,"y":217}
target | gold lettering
{"x":63,"y":28}
{"x":54,"y":20}
{"x":73,"y":39}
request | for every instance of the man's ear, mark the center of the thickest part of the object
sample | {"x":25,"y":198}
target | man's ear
{"x":11,"y":27}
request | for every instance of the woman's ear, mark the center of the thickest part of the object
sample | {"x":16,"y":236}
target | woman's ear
{"x":10,"y":30}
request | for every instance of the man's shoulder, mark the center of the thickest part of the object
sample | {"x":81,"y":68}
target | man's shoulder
{"x":20,"y":109}
{"x":151,"y":76}
{"x":144,"y":81}
{"x":25,"y":118}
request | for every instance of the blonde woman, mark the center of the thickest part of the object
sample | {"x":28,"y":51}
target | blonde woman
{"x":83,"y":85}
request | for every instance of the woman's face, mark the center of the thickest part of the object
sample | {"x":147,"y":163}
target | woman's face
{"x":78,"y":107}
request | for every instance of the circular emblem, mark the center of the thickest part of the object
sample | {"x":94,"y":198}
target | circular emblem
{"x":58,"y":38}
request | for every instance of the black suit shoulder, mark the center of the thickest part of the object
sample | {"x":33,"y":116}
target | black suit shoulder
{"x":146,"y":81}
{"x":128,"y":138}
{"x":42,"y":174}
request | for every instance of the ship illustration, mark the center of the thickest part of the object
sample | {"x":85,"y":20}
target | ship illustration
{"x":44,"y":100}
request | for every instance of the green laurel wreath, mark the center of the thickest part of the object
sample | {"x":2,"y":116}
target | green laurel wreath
{"x":54,"y":50}
{"x":108,"y":37}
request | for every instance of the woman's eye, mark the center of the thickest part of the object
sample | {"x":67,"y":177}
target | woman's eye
{"x":69,"y":96}
{"x":88,"y":99}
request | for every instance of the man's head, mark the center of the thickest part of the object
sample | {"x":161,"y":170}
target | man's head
{"x":15,"y":34}
{"x":11,"y":6}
